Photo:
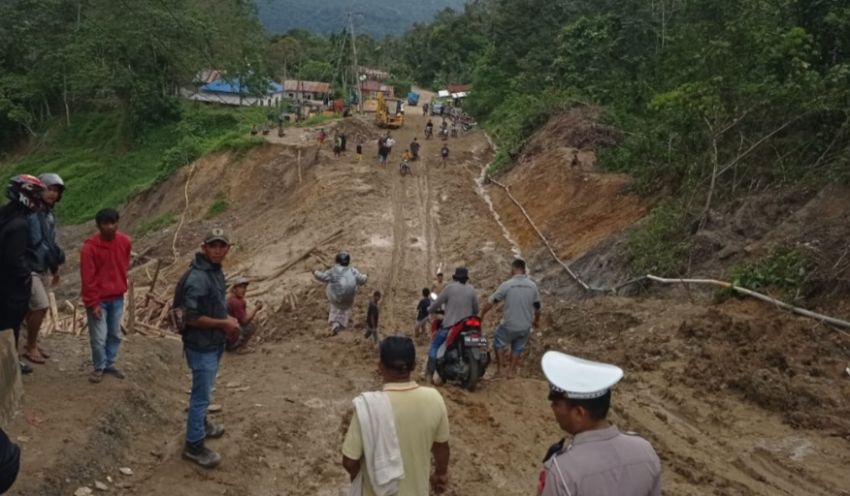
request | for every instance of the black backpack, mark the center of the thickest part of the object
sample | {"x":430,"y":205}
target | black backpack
{"x":177,"y":314}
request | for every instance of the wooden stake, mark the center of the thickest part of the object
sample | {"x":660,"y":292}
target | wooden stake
{"x":131,"y":311}
{"x":153,"y":281}
{"x":299,"y":166}
{"x":54,"y":310}
{"x":74,"y":320}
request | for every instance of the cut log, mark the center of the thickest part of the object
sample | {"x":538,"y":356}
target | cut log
{"x":131,"y":311}
{"x":150,"y":293}
{"x":54,"y":310}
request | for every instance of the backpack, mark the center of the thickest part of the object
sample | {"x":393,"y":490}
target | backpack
{"x":177,"y":314}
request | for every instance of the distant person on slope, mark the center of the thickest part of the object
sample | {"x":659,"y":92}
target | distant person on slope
{"x":414,"y":148}
{"x":444,"y":154}
{"x":24,"y":194}
{"x":104,"y":262}
{"x":45,"y":256}
{"x":341,"y":282}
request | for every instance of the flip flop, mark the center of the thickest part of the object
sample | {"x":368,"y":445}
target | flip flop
{"x":43,"y":353}
{"x":34,"y":359}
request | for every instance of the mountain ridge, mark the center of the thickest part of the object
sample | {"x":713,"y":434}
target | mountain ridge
{"x":377,"y":18}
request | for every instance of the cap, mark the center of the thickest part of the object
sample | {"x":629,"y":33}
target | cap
{"x":578,"y":378}
{"x":239,"y":281}
{"x":461,"y":273}
{"x":216,"y":234}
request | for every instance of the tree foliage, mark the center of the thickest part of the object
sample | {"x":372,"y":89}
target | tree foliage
{"x":58,"y":57}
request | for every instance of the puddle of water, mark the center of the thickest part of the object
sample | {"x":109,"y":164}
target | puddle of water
{"x":380,"y":242}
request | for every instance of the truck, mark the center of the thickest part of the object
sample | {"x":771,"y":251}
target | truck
{"x":413,"y":98}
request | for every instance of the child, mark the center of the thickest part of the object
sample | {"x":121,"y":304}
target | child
{"x":372,"y":317}
{"x":422,"y":313}
{"x":359,"y":151}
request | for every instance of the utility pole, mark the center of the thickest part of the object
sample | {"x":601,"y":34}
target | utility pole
{"x":356,"y":65}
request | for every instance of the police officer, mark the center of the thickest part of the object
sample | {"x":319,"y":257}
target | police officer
{"x":600,"y":460}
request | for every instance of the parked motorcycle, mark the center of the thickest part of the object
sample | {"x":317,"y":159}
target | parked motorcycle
{"x":464,"y":357}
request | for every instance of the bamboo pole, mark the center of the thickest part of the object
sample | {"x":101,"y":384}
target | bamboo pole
{"x":131,"y":311}
{"x":54,"y":310}
{"x":150,"y":292}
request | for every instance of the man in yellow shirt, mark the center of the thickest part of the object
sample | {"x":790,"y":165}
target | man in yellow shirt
{"x":421,"y":425}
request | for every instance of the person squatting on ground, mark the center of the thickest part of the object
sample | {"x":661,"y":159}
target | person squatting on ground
{"x":372,"y":315}
{"x":201,"y":294}
{"x":104,"y":261}
{"x":341,"y":282}
{"x":237,"y":307}
{"x":521,"y":313}
{"x":421,"y":328}
{"x":600,"y":460}
{"x":45,"y":256}
{"x":460,"y":301}
{"x":394,"y":433}
{"x":25,"y":197}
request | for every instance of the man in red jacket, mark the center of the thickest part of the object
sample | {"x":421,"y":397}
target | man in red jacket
{"x":104,"y":260}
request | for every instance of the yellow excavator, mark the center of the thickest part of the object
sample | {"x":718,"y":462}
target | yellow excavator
{"x":390,"y":112}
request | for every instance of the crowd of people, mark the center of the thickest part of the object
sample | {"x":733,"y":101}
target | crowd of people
{"x":395,"y":433}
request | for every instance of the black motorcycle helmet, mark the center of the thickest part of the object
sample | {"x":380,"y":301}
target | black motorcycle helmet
{"x":343,"y":258}
{"x":26,"y":190}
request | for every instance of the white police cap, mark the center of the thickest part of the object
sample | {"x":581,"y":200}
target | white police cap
{"x":577,"y":378}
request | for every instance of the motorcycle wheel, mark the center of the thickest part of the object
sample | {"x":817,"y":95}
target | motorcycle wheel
{"x":474,"y":374}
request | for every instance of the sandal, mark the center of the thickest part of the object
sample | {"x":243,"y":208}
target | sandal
{"x":43,"y":353}
{"x":244,"y":350}
{"x":35,"y":357}
{"x":96,"y":376}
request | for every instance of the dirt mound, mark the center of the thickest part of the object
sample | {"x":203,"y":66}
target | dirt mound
{"x":574,"y":206}
{"x":781,"y":364}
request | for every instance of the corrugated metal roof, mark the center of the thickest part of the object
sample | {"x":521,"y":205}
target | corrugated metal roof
{"x":223,"y":86}
{"x":306,"y":86}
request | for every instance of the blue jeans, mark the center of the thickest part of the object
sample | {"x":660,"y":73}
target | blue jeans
{"x":438,"y":341}
{"x":105,"y":334}
{"x":204,"y":365}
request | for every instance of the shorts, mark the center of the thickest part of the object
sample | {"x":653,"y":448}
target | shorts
{"x":39,"y":300}
{"x":422,"y":323}
{"x":516,"y":339}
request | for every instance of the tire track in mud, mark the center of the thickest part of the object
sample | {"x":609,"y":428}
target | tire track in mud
{"x":399,"y":252}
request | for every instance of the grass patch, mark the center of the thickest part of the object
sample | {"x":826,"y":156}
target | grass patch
{"x":660,"y":245}
{"x":156,"y":223}
{"x":315,"y":120}
{"x":103,"y":166}
{"x":783,"y":270}
{"x":219,"y":206}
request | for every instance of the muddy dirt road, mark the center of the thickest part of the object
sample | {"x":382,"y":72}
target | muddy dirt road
{"x":286,"y":406}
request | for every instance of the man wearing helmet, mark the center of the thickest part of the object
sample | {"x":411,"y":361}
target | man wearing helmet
{"x":44,"y":256}
{"x":24,"y":194}
{"x":341,"y":287}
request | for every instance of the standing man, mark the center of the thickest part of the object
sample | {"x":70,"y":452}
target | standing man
{"x":201,"y":293}
{"x":104,"y":261}
{"x":444,"y":154}
{"x":341,"y":287}
{"x":600,"y":460}
{"x":439,"y":284}
{"x":521,"y":313}
{"x":25,"y":197}
{"x":45,"y":256}
{"x":405,"y":419}
{"x":237,"y":307}
{"x":460,"y":302}
{"x":414,"y":148}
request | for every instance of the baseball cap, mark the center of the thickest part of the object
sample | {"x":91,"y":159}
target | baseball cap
{"x":216,"y":234}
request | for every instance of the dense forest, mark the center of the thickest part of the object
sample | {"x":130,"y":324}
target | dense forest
{"x":709,"y":98}
{"x":376,"y":18}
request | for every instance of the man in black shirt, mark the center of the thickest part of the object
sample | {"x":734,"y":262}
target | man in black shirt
{"x":207,"y":327}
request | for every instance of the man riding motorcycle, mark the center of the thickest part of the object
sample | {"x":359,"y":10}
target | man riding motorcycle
{"x":460,"y":302}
